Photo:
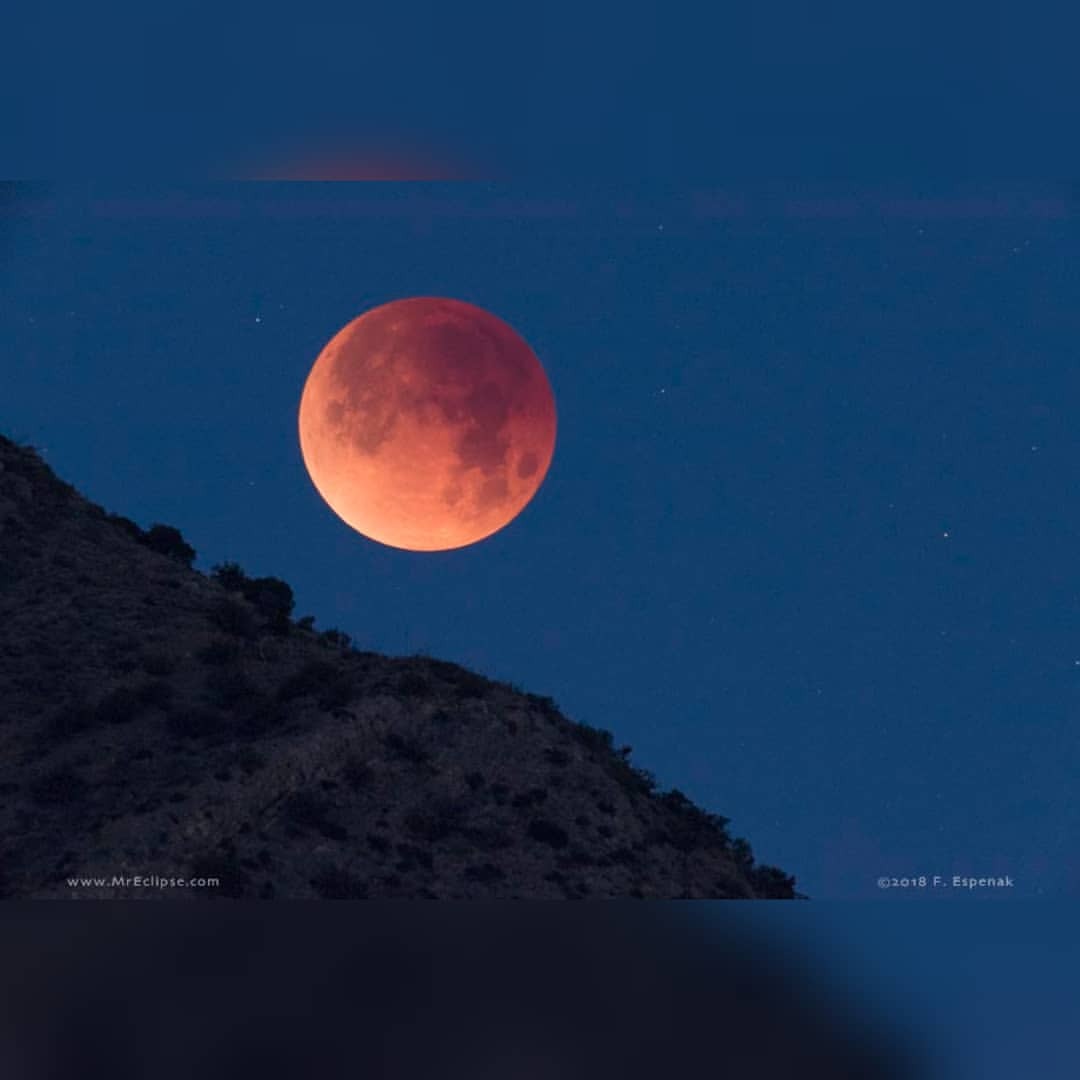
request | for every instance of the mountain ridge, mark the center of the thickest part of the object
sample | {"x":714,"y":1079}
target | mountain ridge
{"x":158,"y":722}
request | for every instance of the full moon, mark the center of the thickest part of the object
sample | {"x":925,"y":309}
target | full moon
{"x":427,"y":424}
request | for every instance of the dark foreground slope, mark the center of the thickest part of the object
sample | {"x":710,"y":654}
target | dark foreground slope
{"x":160,"y":723}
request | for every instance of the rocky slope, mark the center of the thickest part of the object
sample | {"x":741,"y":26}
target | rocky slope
{"x":159,"y":723}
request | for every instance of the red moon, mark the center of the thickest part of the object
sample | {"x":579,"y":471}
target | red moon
{"x":427,"y":424}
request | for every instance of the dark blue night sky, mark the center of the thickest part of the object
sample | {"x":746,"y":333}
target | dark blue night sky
{"x":808,"y":542}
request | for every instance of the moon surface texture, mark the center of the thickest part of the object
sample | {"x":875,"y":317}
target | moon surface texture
{"x":427,"y":424}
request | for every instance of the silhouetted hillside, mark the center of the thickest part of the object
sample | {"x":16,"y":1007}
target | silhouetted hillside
{"x":161,"y":723}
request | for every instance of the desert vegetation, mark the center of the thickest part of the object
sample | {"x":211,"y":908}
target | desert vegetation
{"x":271,"y":597}
{"x":161,"y":717}
{"x":164,"y":539}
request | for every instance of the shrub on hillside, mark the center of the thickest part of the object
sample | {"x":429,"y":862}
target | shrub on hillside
{"x":310,"y":680}
{"x":338,"y":692}
{"x":467,"y":684}
{"x":546,"y":705}
{"x":772,"y":882}
{"x":166,"y":540}
{"x":273,"y":598}
{"x":221,"y":651}
{"x":491,"y":837}
{"x":484,"y":873}
{"x":337,"y":639}
{"x":326,"y":682}
{"x":234,"y":617}
{"x":547,"y":832}
{"x":407,"y":748}
{"x":742,"y":853}
{"x":229,"y":575}
{"x":155,"y":694}
{"x":428,"y":824}
{"x":126,"y":525}
{"x":630,"y":777}
{"x":120,"y":706}
{"x":306,"y":810}
{"x":411,"y":856}
{"x":270,"y":596}
{"x":245,"y":758}
{"x":72,"y":719}
{"x":595,"y":740}
{"x":691,"y":827}
{"x":228,"y":687}
{"x":413,"y":684}
{"x":59,"y":787}
{"x":356,"y":773}
{"x":195,"y":723}
{"x":334,"y":883}
{"x":158,"y":663}
{"x":260,"y":716}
